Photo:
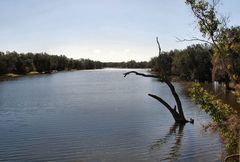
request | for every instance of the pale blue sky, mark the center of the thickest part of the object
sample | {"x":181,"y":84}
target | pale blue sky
{"x":105,"y":30}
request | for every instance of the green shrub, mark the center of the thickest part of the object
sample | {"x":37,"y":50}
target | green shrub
{"x":225,"y":118}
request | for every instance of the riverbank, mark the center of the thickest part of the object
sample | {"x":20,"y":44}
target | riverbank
{"x":218,"y":90}
{"x":11,"y":76}
{"x":225,"y":119}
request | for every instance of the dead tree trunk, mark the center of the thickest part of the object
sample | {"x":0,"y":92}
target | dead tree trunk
{"x":177,"y":114}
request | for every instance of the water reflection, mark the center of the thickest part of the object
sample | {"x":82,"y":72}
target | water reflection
{"x":220,"y":92}
{"x":175,"y":134}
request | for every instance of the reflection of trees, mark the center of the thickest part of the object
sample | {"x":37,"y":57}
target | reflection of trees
{"x":176,"y":132}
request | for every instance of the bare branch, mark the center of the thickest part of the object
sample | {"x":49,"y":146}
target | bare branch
{"x":193,"y":39}
{"x":173,"y":111}
{"x":162,"y":101}
{"x":215,"y":3}
{"x":141,"y":74}
{"x":159,"y":47}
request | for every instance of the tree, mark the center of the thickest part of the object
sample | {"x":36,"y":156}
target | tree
{"x":215,"y":30}
{"x":177,"y":110}
{"x":163,"y":64}
{"x":42,"y":63}
{"x":229,"y":40}
{"x":62,"y":63}
{"x":3,"y":64}
{"x":193,"y":63}
{"x":20,"y":65}
{"x":11,"y":59}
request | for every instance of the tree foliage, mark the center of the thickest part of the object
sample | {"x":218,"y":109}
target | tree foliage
{"x":225,"y":40}
{"x":206,"y":14}
{"x":192,"y":63}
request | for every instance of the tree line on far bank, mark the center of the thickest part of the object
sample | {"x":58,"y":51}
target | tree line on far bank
{"x":195,"y":62}
{"x":19,"y":63}
{"x":13,"y":62}
{"x":128,"y":64}
{"x":191,"y":63}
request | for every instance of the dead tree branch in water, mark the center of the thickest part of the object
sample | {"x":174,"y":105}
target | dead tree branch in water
{"x":177,"y":113}
{"x":159,"y":47}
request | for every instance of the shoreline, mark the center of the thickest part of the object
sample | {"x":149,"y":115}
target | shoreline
{"x":11,"y":76}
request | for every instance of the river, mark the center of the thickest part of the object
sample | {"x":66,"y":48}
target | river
{"x":98,"y":115}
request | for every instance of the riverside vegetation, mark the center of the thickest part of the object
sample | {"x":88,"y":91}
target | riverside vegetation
{"x":225,"y":118}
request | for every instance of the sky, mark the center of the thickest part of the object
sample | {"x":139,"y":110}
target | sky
{"x":104,"y":30}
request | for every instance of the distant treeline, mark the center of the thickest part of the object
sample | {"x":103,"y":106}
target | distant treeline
{"x":191,"y":63}
{"x":128,"y":64}
{"x":13,"y":62}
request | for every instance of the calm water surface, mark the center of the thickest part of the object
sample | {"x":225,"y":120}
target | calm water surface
{"x":95,"y":116}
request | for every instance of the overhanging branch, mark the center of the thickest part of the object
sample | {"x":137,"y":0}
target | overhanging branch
{"x":141,"y":74}
{"x":193,"y":39}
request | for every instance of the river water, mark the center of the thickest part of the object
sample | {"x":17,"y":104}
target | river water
{"x":98,"y":115}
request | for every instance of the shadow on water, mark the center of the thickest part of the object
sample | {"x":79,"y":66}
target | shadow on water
{"x":175,"y":134}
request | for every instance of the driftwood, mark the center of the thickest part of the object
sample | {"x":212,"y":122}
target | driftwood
{"x":176,"y":111}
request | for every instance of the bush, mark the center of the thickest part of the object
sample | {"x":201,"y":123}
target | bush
{"x":225,"y":118}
